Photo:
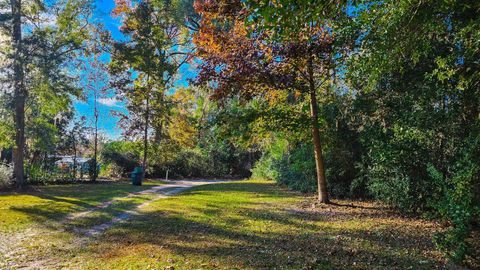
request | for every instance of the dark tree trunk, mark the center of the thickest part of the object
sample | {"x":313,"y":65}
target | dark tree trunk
{"x":95,"y":143}
{"x":145,"y":136}
{"x":74,"y":160}
{"x":158,"y":132}
{"x":159,"y":125}
{"x":20,"y":94}
{"x":321,"y":180}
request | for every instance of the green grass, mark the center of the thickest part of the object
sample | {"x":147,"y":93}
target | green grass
{"x":250,"y":224}
{"x":256,"y":225}
{"x":52,"y":203}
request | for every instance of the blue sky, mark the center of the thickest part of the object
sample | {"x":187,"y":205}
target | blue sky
{"x":107,"y":122}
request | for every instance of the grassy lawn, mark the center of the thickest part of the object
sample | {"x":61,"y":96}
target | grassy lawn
{"x":45,"y":204}
{"x":256,"y":225}
{"x":236,"y":225}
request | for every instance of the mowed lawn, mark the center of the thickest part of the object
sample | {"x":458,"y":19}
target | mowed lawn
{"x":257,"y":225}
{"x":44,"y":204}
{"x":250,"y":224}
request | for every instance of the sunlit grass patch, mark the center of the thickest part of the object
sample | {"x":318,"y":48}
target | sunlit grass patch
{"x":116,"y":208}
{"x":52,"y":203}
{"x":257,"y":225}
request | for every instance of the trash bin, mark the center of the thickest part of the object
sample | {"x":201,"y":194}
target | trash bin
{"x":137,"y":176}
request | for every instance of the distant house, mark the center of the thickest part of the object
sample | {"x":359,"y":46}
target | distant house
{"x":69,"y":161}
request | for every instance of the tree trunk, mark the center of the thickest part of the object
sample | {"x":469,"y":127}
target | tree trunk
{"x":321,"y":180}
{"x":95,"y":146}
{"x":158,"y":132}
{"x":145,"y":137}
{"x":158,"y":127}
{"x":74,"y":160}
{"x":20,"y":94}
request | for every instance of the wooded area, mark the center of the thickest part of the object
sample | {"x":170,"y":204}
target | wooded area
{"x":357,"y":100}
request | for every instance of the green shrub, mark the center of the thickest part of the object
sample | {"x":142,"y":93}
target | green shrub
{"x":297,"y":169}
{"x":267,"y":167}
{"x":456,"y":203}
{"x":93,"y":169}
{"x":120,"y":157}
{"x":217,"y":159}
{"x":293,"y":167}
{"x":47,"y":172}
{"x":110,"y":170}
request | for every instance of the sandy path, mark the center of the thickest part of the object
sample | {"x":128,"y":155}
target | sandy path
{"x":163,"y":191}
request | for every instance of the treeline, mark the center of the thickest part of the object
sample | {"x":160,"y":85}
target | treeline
{"x":53,"y":55}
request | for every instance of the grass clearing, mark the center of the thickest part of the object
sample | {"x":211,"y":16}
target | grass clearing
{"x":256,"y":225}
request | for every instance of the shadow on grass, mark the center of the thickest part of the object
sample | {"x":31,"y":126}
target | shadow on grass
{"x":59,"y":201}
{"x":289,"y":240}
{"x":235,"y":248}
{"x":246,"y":225}
{"x":351,"y":205}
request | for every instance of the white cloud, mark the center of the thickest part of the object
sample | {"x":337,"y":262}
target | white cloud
{"x":109,"y":102}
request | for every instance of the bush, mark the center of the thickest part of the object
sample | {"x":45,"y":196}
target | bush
{"x":218,"y":159}
{"x":120,"y":157}
{"x":186,"y":163}
{"x":6,"y":173}
{"x":396,"y":167}
{"x":294,"y":167}
{"x":455,"y":202}
{"x":93,"y":169}
{"x":111,"y":170}
{"x":297,"y":169}
{"x":47,"y":172}
{"x":265,"y":168}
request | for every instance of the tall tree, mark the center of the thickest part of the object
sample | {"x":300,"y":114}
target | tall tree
{"x":20,"y":93}
{"x":150,"y":58}
{"x":312,"y":24}
{"x":55,"y":35}
{"x":258,"y":59}
{"x":96,"y":83}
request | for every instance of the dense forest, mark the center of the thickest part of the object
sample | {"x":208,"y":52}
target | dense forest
{"x":364,"y":100}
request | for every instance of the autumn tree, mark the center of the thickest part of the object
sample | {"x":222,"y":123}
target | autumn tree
{"x":257,"y":60}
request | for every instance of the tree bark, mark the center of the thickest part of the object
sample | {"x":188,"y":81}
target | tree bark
{"x":158,"y":132}
{"x":321,"y":180}
{"x":74,"y":159}
{"x":145,"y":136}
{"x":159,"y":126}
{"x":95,"y":147}
{"x":20,"y":94}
